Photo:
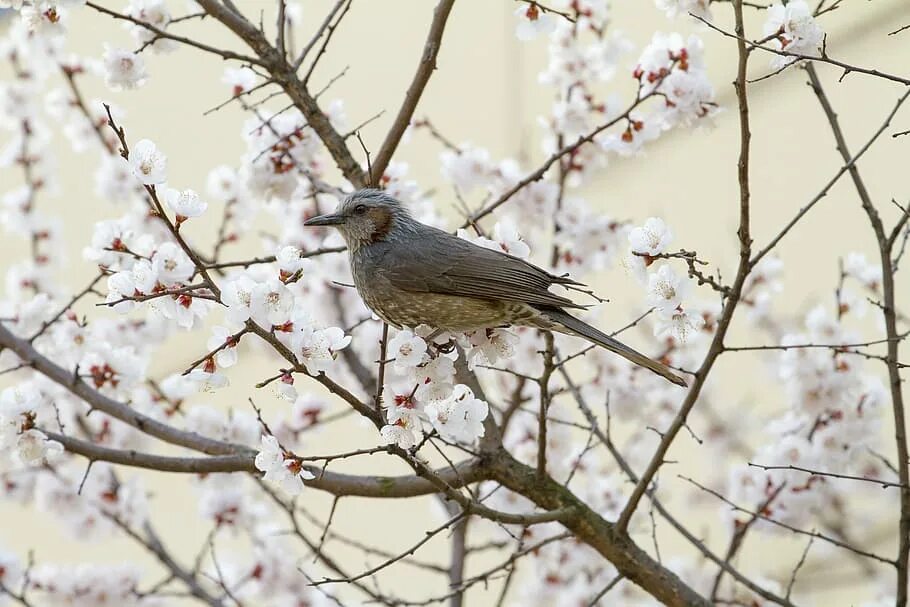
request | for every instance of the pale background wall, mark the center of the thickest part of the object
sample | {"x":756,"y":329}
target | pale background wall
{"x":486,"y":92}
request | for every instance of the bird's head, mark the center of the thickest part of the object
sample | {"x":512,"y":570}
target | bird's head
{"x":364,"y":217}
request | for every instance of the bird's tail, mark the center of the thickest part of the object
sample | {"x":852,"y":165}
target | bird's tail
{"x":573,"y":326}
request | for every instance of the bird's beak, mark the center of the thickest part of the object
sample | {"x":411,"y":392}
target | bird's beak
{"x":332,"y":219}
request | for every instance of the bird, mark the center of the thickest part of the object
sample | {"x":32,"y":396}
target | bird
{"x":409,"y":274}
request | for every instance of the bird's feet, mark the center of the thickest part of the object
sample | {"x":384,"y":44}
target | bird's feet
{"x":444,"y":348}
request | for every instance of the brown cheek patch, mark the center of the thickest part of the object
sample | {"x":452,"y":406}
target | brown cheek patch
{"x":382,"y":223}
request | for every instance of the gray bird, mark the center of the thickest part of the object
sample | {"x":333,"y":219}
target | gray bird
{"x":410,"y":274}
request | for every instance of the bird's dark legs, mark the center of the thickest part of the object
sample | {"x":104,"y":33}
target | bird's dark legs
{"x":440,"y":348}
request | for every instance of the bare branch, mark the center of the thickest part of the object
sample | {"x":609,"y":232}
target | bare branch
{"x":889,"y":313}
{"x":424,"y":70}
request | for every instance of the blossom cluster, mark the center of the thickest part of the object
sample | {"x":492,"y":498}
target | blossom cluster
{"x":422,"y":387}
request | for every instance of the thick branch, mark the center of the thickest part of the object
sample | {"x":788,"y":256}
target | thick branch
{"x":469,"y":471}
{"x":285,"y":76}
{"x":589,"y":527}
{"x":70,"y":380}
{"x":424,"y":70}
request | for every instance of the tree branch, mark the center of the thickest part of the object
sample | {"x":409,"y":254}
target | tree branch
{"x":424,"y":70}
{"x":889,"y":312}
{"x":745,"y":251}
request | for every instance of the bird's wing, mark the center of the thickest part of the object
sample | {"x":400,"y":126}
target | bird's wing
{"x":449,"y":265}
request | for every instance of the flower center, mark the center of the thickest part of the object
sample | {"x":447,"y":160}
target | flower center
{"x":666,"y":290}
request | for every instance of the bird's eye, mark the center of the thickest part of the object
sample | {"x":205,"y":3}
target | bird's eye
{"x":360,"y":209}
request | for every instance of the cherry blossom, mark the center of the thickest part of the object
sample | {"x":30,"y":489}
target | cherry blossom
{"x":652,"y":238}
{"x":673,"y":8}
{"x":237,"y":295}
{"x":467,"y":167}
{"x":678,"y":324}
{"x":533,"y":22}
{"x":858,"y":267}
{"x":123,"y":69}
{"x":435,"y":380}
{"x":239,"y":79}
{"x":33,"y":448}
{"x":185,"y":204}
{"x":223,"y":338}
{"x":794,"y":30}
{"x":89,"y":584}
{"x":235,"y":426}
{"x":271,"y":303}
{"x":397,"y":434}
{"x":155,"y":13}
{"x":404,"y":423}
{"x":170,"y":265}
{"x":408,"y":350}
{"x":208,"y":380}
{"x":675,"y":69}
{"x":459,"y":417}
{"x":289,"y":262}
{"x":317,"y":347}
{"x":149,"y":164}
{"x":490,"y":346}
{"x":286,"y":473}
{"x":666,"y":289}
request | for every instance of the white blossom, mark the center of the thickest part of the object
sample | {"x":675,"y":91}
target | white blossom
{"x":11,"y":570}
{"x":675,"y":68}
{"x":237,"y":295}
{"x":678,"y":324}
{"x":33,"y":448}
{"x":533,"y":22}
{"x":271,"y":303}
{"x":673,"y":8}
{"x":287,"y":473}
{"x":185,"y":204}
{"x":121,"y":287}
{"x":652,"y":238}
{"x":393,"y":434}
{"x":459,"y":417}
{"x":208,"y":381}
{"x":114,"y":180}
{"x":403,"y":425}
{"x":867,"y":274}
{"x":408,"y":350}
{"x":489,"y":346}
{"x":227,"y":355}
{"x":85,"y":584}
{"x":171,"y":265}
{"x":148,"y":163}
{"x":222,"y":183}
{"x":240,"y":79}
{"x":435,"y":380}
{"x":289,"y":262}
{"x":467,"y":167}
{"x":44,"y":18}
{"x":795,"y":30}
{"x":666,"y":289}
{"x":123,"y":69}
{"x":155,"y":13}
{"x":318,"y":347}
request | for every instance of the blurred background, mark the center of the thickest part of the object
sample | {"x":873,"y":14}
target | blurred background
{"x":486,"y":92}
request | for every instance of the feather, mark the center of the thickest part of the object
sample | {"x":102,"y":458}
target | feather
{"x":574,"y":326}
{"x":450,"y":265}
